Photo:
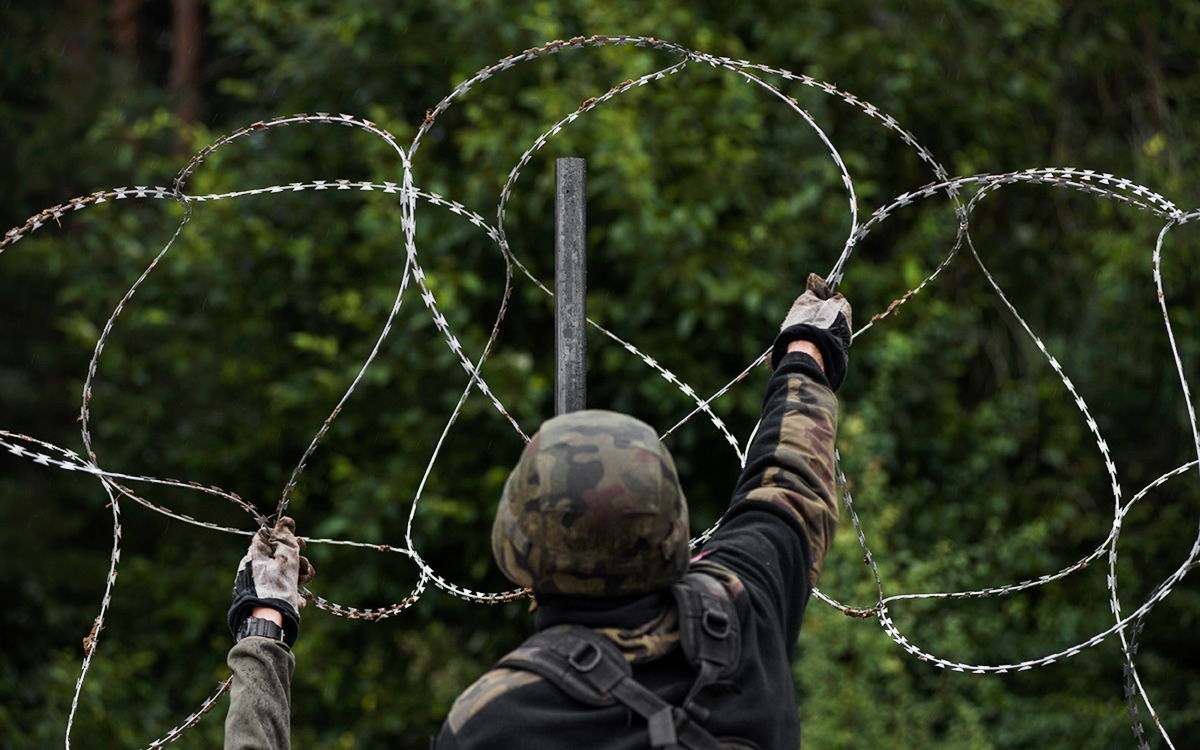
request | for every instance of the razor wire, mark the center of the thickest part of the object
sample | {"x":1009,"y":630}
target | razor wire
{"x":118,"y":485}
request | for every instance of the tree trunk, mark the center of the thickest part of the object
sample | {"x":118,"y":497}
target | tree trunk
{"x":185,"y":59}
{"x":126,"y":28}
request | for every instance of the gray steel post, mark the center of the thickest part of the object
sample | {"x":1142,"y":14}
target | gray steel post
{"x":570,"y":284}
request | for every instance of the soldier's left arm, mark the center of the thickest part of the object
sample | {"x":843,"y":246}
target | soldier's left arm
{"x":265,"y":621}
{"x":260,"y":702}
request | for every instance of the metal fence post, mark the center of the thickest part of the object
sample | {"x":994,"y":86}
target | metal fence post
{"x":570,"y":284}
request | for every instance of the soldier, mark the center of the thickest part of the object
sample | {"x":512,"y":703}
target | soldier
{"x":636,"y":646}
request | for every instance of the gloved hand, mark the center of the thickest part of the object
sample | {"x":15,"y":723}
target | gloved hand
{"x":270,"y":576}
{"x":822,"y":317}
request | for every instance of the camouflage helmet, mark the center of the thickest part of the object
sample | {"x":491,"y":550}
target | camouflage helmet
{"x":593,"y":508}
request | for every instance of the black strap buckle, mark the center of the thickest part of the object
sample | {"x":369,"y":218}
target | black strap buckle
{"x":583,"y":661}
{"x":716,"y":624}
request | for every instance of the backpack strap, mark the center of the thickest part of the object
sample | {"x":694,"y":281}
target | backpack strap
{"x":588,"y":667}
{"x":582,"y":663}
{"x":709,"y":632}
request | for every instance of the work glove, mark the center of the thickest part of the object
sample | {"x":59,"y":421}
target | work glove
{"x":270,"y":575}
{"x":823,"y":318}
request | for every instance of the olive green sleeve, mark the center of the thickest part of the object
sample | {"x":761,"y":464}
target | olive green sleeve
{"x":260,"y":703}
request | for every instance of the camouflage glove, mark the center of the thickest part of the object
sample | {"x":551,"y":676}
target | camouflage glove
{"x":823,"y":318}
{"x":270,"y":576}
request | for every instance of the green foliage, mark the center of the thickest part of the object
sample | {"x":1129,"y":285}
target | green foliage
{"x":709,"y":200}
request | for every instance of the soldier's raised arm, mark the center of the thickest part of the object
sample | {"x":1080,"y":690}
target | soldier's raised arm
{"x":789,"y":468}
{"x":265,"y":621}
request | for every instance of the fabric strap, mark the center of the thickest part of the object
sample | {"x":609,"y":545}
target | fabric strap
{"x":591,"y":669}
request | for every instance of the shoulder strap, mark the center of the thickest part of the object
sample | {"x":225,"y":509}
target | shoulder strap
{"x":709,"y":632}
{"x":588,"y":667}
{"x":564,"y":654}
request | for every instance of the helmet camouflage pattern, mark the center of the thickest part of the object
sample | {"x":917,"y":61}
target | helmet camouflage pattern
{"x":593,"y":508}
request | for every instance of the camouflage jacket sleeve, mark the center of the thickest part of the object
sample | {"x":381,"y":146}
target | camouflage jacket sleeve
{"x":790,"y":464}
{"x":260,"y":702}
{"x":781,"y":520}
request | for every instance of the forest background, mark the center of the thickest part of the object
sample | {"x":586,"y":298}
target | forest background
{"x":708,"y":204}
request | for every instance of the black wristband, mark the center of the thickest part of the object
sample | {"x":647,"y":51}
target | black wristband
{"x":244,"y":604}
{"x":258,"y":626}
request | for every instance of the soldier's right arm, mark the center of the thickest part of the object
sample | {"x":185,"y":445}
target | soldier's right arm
{"x":784,"y":510}
{"x":791,"y":463}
